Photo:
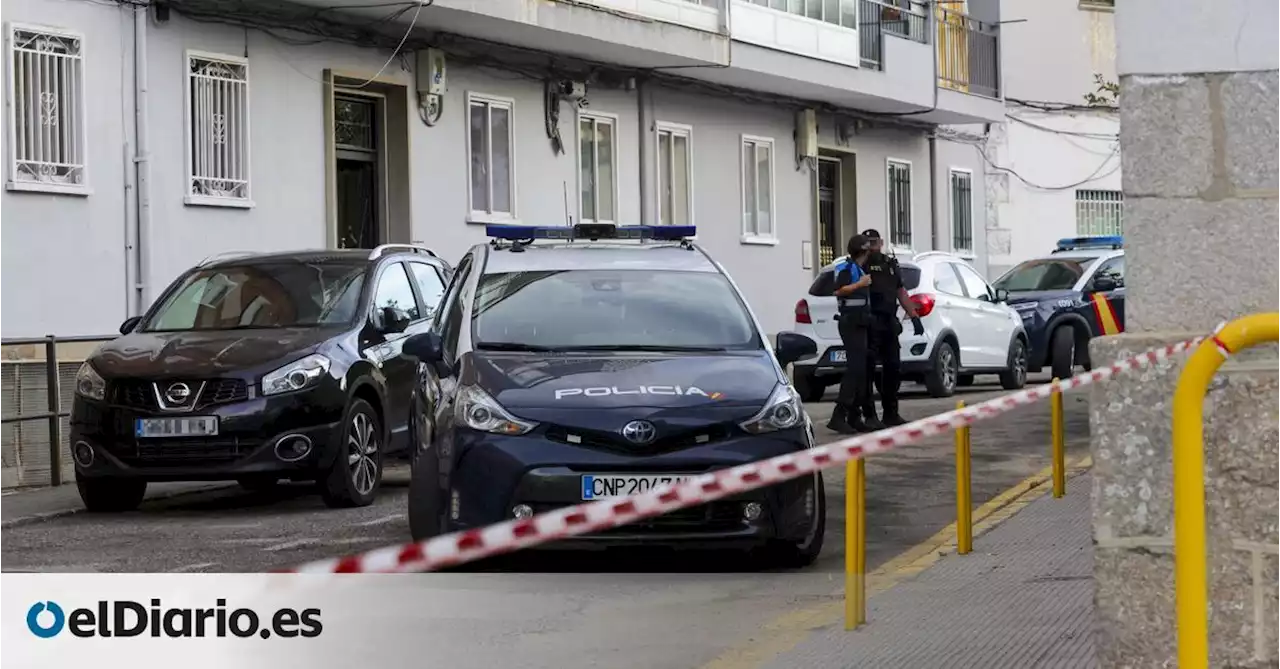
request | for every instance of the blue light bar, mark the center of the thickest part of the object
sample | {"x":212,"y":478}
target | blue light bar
{"x":591,"y":231}
{"x":1094,"y":242}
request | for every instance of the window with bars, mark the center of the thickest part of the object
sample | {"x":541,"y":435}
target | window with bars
{"x":961,"y":211}
{"x":597,"y":176}
{"x":675,"y":180}
{"x":1099,"y":212}
{"x":47,"y":110}
{"x":491,"y":142}
{"x":757,"y":188}
{"x":217,"y":109}
{"x":899,"y":180}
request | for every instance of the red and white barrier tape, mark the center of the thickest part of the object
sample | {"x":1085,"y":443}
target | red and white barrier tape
{"x":461,"y":547}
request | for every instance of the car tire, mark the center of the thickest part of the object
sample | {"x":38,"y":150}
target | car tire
{"x":1063,"y":350}
{"x":964,"y":380}
{"x":356,"y":473}
{"x":110,"y":495}
{"x":944,"y":372}
{"x":1015,"y":377}
{"x":426,"y":499}
{"x":797,"y":555}
{"x":258,"y":483}
{"x":809,"y":387}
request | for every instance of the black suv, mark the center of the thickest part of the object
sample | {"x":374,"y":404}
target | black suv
{"x":257,"y":368}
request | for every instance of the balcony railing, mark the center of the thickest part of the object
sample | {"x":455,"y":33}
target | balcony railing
{"x":968,"y":52}
{"x":904,"y":18}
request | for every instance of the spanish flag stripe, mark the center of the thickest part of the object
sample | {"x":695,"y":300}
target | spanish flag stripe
{"x":1106,"y":315}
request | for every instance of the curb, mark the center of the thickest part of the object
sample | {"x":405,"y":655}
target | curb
{"x":51,"y":515}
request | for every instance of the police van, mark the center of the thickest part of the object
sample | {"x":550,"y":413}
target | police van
{"x":572,"y":364}
{"x":1068,"y":297}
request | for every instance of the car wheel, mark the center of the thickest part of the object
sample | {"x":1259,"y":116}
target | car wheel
{"x":426,"y":498}
{"x":941,"y":380}
{"x":110,"y":495}
{"x":964,"y":380}
{"x":1063,"y":351}
{"x":796,"y":555}
{"x":258,"y":483}
{"x":356,"y":472}
{"x":809,"y":387}
{"x":1015,"y":377}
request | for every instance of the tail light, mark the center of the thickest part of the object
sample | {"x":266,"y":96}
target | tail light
{"x":923,"y":303}
{"x":802,"y":312}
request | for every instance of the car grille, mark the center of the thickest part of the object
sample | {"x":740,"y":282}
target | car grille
{"x":176,"y":452}
{"x":665,"y":443}
{"x":710,"y":517}
{"x":139,"y":394}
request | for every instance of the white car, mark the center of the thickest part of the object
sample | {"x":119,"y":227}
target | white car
{"x":968,"y":329}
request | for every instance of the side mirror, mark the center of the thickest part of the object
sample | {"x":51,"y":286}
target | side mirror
{"x":129,"y":324}
{"x":428,"y":348}
{"x":1104,"y":283}
{"x":1002,"y":295}
{"x":792,"y":346}
{"x":394,"y":321}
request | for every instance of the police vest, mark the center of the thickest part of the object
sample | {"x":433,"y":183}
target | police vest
{"x":884,"y":282}
{"x":860,"y":299}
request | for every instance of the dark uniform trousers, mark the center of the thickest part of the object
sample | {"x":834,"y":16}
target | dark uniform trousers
{"x":855,"y":384}
{"x":882,"y":347}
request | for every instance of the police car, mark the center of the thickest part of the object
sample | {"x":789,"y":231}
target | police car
{"x":571,"y":364}
{"x":1068,"y":297}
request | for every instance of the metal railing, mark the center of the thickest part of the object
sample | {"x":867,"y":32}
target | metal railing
{"x":46,"y":390}
{"x":877,"y":18}
{"x":968,"y":52}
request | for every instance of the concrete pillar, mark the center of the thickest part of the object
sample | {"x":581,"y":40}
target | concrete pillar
{"x":1198,"y":137}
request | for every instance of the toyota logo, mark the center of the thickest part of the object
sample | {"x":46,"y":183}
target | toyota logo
{"x":639,"y":432}
{"x":178,"y":393}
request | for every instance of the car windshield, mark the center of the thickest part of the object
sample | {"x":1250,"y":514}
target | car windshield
{"x":262,"y":295}
{"x":610,"y":310}
{"x":1044,"y":274}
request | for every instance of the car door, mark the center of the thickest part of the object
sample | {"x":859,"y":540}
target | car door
{"x":394,"y":297}
{"x":961,"y":312}
{"x":436,"y":389}
{"x":1105,"y":294}
{"x":430,"y":283}
{"x":994,"y":324}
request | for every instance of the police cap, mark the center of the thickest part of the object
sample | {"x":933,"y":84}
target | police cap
{"x":871,"y":233}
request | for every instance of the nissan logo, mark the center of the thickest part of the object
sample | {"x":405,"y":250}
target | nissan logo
{"x":178,"y":393}
{"x":639,"y":432}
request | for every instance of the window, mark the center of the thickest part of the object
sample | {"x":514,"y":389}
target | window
{"x":1045,"y":274}
{"x":962,"y":211}
{"x":899,"y":179}
{"x":757,"y":188}
{"x":836,"y":12}
{"x":217,"y":110}
{"x":1098,"y":4}
{"x":825,"y":284}
{"x":262,"y":295}
{"x":394,"y":292}
{"x":946,"y":280}
{"x":47,"y":111}
{"x":612,"y":309}
{"x":449,"y":319}
{"x":974,"y":284}
{"x":490,"y":142}
{"x":1113,"y":269}
{"x":597,"y":179}
{"x":675,"y":175}
{"x":1099,"y":212}
{"x":430,"y":287}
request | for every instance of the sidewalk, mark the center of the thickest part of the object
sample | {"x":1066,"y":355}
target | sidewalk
{"x":1023,"y":599}
{"x":32,"y":505}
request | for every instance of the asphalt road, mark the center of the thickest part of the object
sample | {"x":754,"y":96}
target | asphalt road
{"x":678,"y":609}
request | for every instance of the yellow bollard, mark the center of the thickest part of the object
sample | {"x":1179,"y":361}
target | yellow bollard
{"x":855,"y":544}
{"x":1059,"y":441}
{"x":964,"y":498}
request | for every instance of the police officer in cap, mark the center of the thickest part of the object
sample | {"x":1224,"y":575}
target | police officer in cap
{"x":853,"y":295}
{"x":887,"y":294}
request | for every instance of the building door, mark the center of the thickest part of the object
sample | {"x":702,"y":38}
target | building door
{"x":829,"y":206}
{"x":359,"y":190}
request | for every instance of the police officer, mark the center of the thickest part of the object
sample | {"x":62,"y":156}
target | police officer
{"x":887,"y":293}
{"x":853,"y":295}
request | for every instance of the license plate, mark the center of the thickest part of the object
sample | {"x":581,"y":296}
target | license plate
{"x":837,"y":356}
{"x":190,"y":426}
{"x":605,"y":486}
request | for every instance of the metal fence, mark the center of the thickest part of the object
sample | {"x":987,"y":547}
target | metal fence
{"x":36,"y":399}
{"x":968,"y":52}
{"x":877,"y":18}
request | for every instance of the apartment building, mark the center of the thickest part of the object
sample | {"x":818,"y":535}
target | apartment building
{"x":1054,"y":165}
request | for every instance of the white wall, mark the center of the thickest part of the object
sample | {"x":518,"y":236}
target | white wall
{"x":1055,"y":47}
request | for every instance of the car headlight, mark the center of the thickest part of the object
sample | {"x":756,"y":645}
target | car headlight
{"x":89,"y":383}
{"x":783,"y":410}
{"x":297,"y":375}
{"x":479,"y":411}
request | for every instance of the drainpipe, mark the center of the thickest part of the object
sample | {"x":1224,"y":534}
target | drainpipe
{"x":141,"y":159}
{"x":933,"y":190}
{"x":642,"y":113}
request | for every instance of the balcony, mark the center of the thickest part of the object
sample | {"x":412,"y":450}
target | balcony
{"x":968,"y":53}
{"x":908,"y":19}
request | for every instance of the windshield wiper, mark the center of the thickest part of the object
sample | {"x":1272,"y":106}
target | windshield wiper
{"x":663,"y":348}
{"x":511,"y":346}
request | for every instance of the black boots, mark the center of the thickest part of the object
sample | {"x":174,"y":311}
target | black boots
{"x":846,"y":422}
{"x":869,"y":419}
{"x":893,"y":419}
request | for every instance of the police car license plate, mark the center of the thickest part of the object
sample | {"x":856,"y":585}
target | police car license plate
{"x":605,"y":486}
{"x":191,"y":426}
{"x":837,"y":356}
